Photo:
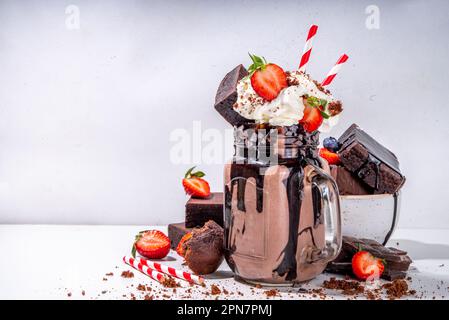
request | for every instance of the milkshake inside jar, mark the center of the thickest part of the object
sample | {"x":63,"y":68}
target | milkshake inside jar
{"x":282,"y":210}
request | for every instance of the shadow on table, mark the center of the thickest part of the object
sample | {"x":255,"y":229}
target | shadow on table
{"x":220,"y":274}
{"x":420,"y":250}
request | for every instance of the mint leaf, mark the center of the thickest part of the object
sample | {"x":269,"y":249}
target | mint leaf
{"x":323,"y":103}
{"x":324,"y":115}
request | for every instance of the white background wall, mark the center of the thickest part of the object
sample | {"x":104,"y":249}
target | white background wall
{"x":85,"y":115}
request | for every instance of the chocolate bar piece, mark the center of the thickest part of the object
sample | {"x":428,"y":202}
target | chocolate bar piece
{"x":377,"y":166}
{"x":348,"y":183}
{"x":227,"y":95}
{"x":397,"y":261}
{"x":199,"y":211}
{"x":175,"y":232}
{"x":345,"y":268}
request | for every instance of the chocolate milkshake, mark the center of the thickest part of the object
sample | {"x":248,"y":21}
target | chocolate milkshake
{"x":282,"y":210}
{"x":274,"y":211}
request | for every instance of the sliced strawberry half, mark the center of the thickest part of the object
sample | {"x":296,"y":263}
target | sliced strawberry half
{"x":267,"y":79}
{"x":314,"y":113}
{"x":331,"y":157}
{"x":179,"y":248}
{"x":312,"y":119}
{"x":151,"y":244}
{"x":365,"y":265}
{"x":195,"y":185}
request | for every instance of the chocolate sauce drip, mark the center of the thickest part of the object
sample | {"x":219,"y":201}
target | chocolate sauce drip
{"x":294,"y":187}
{"x":316,"y":201}
{"x":310,"y":231}
{"x":228,"y":217}
{"x":393,"y":223}
{"x":364,"y":170}
{"x":240,"y":173}
{"x":354,"y":133}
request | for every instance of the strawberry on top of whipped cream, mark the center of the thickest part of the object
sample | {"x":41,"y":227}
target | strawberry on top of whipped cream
{"x":288,"y":107}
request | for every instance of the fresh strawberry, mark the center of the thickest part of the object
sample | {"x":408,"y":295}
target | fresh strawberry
{"x":314,"y":113}
{"x":179,"y":248}
{"x":152,"y":244}
{"x":312,"y":119}
{"x":195,"y":185}
{"x":331,"y":157}
{"x":267,"y":79}
{"x":365,"y":265}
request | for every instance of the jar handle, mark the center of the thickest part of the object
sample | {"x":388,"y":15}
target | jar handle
{"x":330,"y":210}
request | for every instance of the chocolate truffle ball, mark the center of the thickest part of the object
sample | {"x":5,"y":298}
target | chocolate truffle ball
{"x":204,"y":250}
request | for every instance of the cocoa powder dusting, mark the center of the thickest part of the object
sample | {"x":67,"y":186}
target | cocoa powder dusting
{"x":215,"y":290}
{"x":397,"y":289}
{"x":271,"y":293}
{"x":127,"y":274}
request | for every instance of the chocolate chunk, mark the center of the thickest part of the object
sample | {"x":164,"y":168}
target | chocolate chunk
{"x":175,"y":232}
{"x":348,"y":183}
{"x":377,"y":166}
{"x":204,"y":250}
{"x":199,"y":211}
{"x":391,"y":275}
{"x":397,"y":261}
{"x":227,"y":95}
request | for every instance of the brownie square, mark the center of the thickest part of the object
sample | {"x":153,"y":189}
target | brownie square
{"x":227,"y":95}
{"x":175,"y":232}
{"x":199,"y":211}
{"x":371,"y":162}
{"x":348,"y":183}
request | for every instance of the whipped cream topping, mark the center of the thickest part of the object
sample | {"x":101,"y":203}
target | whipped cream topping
{"x":287,"y":108}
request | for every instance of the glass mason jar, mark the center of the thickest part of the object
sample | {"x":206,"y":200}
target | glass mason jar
{"x":282,"y":211}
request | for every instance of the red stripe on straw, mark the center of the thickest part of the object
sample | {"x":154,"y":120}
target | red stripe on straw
{"x":342,"y":59}
{"x":172,"y":271}
{"x":144,"y":269}
{"x":307,"y":48}
{"x":312,"y":31}
{"x":333,"y":72}
{"x":328,"y":80}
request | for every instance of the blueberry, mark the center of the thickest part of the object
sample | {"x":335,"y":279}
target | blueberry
{"x":331,"y":144}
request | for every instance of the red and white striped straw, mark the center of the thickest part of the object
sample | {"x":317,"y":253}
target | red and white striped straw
{"x":153,"y":274}
{"x":331,"y":75}
{"x":307,"y":48}
{"x":172,"y":271}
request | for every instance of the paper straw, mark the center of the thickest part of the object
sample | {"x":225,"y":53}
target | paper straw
{"x":307,"y":48}
{"x":171,"y":271}
{"x":331,"y":75}
{"x":153,"y":274}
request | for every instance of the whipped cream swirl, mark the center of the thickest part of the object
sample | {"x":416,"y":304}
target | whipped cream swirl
{"x":287,"y":108}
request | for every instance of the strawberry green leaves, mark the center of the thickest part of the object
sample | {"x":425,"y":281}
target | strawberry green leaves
{"x":321,"y":104}
{"x":191,"y":174}
{"x":259,"y":63}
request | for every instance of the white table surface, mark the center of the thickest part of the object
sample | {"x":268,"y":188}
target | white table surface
{"x":51,"y":261}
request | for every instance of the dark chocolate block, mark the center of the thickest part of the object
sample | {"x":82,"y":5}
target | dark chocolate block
{"x":175,"y":232}
{"x":397,"y":261}
{"x":348,"y":183}
{"x":199,"y":211}
{"x":377,"y":166}
{"x":227,"y":95}
{"x":345,"y":268}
